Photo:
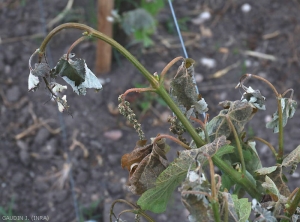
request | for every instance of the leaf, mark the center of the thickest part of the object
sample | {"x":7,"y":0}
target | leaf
{"x":238,"y":112}
{"x":33,"y":82}
{"x":232,"y":214}
{"x":152,"y":7}
{"x":266,"y":170}
{"x":41,"y":69}
{"x":263,"y":215}
{"x":76,"y":73}
{"x":278,"y":178}
{"x":242,"y":207}
{"x":270,"y":186}
{"x":293,"y":158}
{"x":254,"y":98}
{"x":156,"y":199}
{"x":288,"y":107}
{"x":183,"y":91}
{"x":137,"y":19}
{"x":144,"y":165}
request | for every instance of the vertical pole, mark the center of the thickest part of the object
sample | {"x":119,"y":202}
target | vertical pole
{"x":104,"y":50}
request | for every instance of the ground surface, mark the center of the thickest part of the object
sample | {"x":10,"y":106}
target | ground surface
{"x":31,"y":164}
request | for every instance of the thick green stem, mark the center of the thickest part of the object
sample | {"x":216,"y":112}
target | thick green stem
{"x":216,"y":210}
{"x":237,"y":177}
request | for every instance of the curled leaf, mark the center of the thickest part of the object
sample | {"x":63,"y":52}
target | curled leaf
{"x":57,"y":88}
{"x":254,"y":97}
{"x":144,"y":165}
{"x":33,"y":82}
{"x":271,"y":187}
{"x":288,"y":107}
{"x":41,"y":69}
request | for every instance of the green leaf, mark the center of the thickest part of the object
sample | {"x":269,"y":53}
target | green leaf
{"x":227,"y":182}
{"x":288,"y":107}
{"x":293,"y":158}
{"x":242,"y":207}
{"x":156,"y":199}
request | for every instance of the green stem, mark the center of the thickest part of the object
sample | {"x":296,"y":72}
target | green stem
{"x":280,"y":134}
{"x":216,"y":210}
{"x":238,"y":144}
{"x":293,"y":206}
{"x":237,"y":177}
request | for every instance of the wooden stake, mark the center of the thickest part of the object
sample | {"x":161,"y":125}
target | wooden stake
{"x":104,"y":51}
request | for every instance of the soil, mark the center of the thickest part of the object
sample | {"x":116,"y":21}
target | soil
{"x":32,"y":165}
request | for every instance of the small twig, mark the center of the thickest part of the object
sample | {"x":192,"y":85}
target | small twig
{"x":289,"y":90}
{"x":222,"y":72}
{"x":76,"y":143}
{"x":171,"y":138}
{"x":260,"y":55}
{"x":292,"y":195}
{"x":271,"y":35}
{"x":138,"y":90}
{"x":75,"y":44}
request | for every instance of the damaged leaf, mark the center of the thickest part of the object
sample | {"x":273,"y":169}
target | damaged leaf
{"x":293,"y":158}
{"x":156,"y":199}
{"x":33,"y":82}
{"x":242,"y":208}
{"x":238,"y":112}
{"x":254,"y":97}
{"x":266,"y":170}
{"x":270,"y":186}
{"x":183,"y":91}
{"x":40,"y":70}
{"x":76,"y":73}
{"x":288,"y":107}
{"x":144,"y":165}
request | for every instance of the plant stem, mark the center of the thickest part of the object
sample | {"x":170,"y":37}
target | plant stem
{"x":266,"y":143}
{"x":237,"y":177}
{"x":238,"y":144}
{"x":293,"y":206}
{"x":215,"y":207}
{"x":280,"y":134}
{"x":172,"y":138}
{"x":75,"y":44}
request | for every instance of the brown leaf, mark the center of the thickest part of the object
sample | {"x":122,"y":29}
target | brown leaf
{"x":144,"y":165}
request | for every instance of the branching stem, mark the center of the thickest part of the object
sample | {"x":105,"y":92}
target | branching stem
{"x":75,"y":44}
{"x":172,"y":138}
{"x":266,"y":143}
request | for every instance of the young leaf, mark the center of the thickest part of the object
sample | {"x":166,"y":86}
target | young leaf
{"x":293,"y":158}
{"x":288,"y":107}
{"x":242,"y":207}
{"x":144,"y":165}
{"x":156,"y":199}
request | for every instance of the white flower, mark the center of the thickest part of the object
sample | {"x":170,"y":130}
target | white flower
{"x":33,"y":82}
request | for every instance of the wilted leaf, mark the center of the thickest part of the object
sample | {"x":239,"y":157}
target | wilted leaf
{"x":270,"y":186}
{"x":278,"y":178}
{"x":238,"y":112}
{"x":156,"y":199}
{"x":41,"y":69}
{"x":144,"y":165}
{"x":197,"y":202}
{"x":266,"y":170}
{"x":76,"y":73}
{"x":242,"y":207}
{"x":62,"y":103}
{"x":288,"y":107}
{"x":33,"y":82}
{"x":254,"y":98}
{"x":183,"y":91}
{"x":293,"y":158}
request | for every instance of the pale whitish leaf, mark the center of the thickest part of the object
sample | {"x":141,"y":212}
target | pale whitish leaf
{"x":232,"y":213}
{"x":263,"y":215}
{"x":266,"y":170}
{"x":270,"y":186}
{"x":33,"y":82}
{"x":57,"y":88}
{"x":91,"y":81}
{"x":254,"y":98}
{"x":156,"y":199}
{"x":242,"y":207}
{"x":292,"y":158}
{"x":288,"y":107}
{"x":62,"y":103}
{"x":41,"y":69}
